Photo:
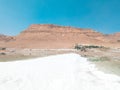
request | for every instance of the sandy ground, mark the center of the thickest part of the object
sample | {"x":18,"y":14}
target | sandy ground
{"x":106,"y":60}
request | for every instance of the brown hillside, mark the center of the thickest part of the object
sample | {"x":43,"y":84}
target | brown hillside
{"x":52,"y":36}
{"x":4,"y":39}
{"x":114,"y":38}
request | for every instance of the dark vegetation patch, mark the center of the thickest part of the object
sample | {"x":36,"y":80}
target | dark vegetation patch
{"x":85,"y":47}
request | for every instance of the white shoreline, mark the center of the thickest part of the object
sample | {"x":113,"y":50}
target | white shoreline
{"x":56,"y":72}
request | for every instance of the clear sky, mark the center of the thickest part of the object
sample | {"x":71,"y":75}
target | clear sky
{"x":100,"y":15}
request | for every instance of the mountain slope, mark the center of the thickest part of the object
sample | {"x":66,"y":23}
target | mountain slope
{"x":53,"y":36}
{"x":4,"y":39}
{"x":56,"y":36}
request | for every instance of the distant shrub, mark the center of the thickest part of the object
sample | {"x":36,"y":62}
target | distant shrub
{"x":80,"y":47}
{"x":2,"y":48}
{"x":97,"y":59}
{"x":84,"y":47}
{"x":93,"y":46}
{"x":2,"y":53}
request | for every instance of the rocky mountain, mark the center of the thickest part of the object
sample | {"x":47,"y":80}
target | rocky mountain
{"x":114,"y":37}
{"x":5,"y":38}
{"x":53,"y":36}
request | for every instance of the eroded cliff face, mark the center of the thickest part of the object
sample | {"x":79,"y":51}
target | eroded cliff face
{"x":46,"y":30}
{"x":53,"y":36}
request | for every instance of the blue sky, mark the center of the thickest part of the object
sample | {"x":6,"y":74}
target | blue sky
{"x":99,"y":15}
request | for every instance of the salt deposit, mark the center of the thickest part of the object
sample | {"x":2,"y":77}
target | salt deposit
{"x":60,"y":72}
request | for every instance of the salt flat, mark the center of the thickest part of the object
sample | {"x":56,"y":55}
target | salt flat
{"x":59,"y":72}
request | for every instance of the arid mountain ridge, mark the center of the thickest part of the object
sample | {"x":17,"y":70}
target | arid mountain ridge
{"x":5,"y":38}
{"x":48,"y":36}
